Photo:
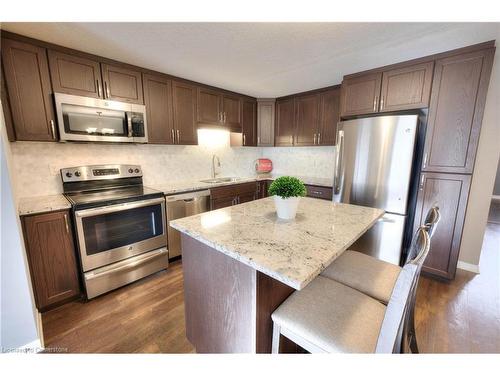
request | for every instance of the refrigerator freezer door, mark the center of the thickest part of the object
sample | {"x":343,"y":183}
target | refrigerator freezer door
{"x":384,"y":240}
{"x":374,"y":160}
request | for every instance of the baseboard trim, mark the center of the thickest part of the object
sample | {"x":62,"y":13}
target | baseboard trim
{"x":495,"y":197}
{"x":468,"y":267}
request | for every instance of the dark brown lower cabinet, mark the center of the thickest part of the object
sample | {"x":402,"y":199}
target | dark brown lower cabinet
{"x":449,"y":192}
{"x":52,"y":259}
{"x":262,"y":187}
{"x":231,"y":195}
{"x":321,"y":192}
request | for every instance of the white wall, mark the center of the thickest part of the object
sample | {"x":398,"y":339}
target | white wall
{"x":18,"y":325}
{"x":485,"y":169}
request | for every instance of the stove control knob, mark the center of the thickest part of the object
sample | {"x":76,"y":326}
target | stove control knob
{"x":136,"y":170}
{"x":69,"y":174}
{"x":130,"y":170}
{"x":77,"y":173}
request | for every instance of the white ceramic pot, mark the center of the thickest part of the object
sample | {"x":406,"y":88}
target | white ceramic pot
{"x":286,"y":208}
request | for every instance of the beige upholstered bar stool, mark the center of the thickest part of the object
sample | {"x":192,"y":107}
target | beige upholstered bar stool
{"x":327,"y":316}
{"x":373,"y":277}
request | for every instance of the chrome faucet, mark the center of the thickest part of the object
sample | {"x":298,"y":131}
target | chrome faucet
{"x":214,"y":174}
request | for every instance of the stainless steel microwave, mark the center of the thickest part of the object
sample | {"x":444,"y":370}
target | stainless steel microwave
{"x":95,"y":120}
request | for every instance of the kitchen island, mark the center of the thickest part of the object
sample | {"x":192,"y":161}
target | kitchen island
{"x":241,"y":262}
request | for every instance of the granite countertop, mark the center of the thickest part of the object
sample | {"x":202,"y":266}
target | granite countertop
{"x":184,"y":186}
{"x":293,"y":252}
{"x":47,"y":203}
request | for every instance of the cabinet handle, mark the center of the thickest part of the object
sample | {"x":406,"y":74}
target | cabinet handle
{"x":66,"y":223}
{"x":106,"y":89}
{"x":381,"y":103}
{"x":314,"y":138}
{"x":244,"y":139}
{"x":53,"y":129}
{"x":319,"y":138}
{"x":424,"y":164}
{"x":224,"y":117}
{"x":258,"y":141}
{"x":422,"y":178}
{"x":291,"y":139}
{"x":178,"y":136}
{"x":374,"y":104}
{"x":99,"y":92}
{"x":172,"y":135}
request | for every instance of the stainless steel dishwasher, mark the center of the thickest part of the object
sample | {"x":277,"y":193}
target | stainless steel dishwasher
{"x":182,"y":205}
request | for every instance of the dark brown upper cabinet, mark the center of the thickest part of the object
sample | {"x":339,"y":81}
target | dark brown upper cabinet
{"x":29,"y":90}
{"x":158,"y":100}
{"x":122,"y":84}
{"x":329,"y":117}
{"x":406,"y":88}
{"x":306,"y":120}
{"x":75,"y":75}
{"x":249,"y":122}
{"x":456,"y":111}
{"x":219,"y":109}
{"x":285,"y":122}
{"x":184,"y":97}
{"x":360,"y":95}
{"x":449,"y":192}
{"x":51,"y":256}
{"x":266,"y":109}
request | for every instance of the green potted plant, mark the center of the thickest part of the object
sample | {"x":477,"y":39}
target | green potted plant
{"x":287,"y":192}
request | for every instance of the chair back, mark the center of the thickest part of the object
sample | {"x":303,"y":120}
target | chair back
{"x":431,"y":220}
{"x":397,"y":314}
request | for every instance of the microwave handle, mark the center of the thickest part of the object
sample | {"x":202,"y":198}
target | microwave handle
{"x":129,"y":125}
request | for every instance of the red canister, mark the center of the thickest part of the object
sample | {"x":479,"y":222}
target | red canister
{"x":263,"y":165}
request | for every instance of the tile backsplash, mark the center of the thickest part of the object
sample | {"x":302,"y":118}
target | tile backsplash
{"x":37,"y":164}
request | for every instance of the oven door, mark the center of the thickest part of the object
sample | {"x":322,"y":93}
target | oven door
{"x":113,"y":233}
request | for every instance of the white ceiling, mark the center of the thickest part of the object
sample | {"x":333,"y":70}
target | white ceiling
{"x":260,"y":59}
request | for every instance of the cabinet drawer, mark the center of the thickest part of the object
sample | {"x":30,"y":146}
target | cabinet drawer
{"x":233,"y":190}
{"x":321,"y":192}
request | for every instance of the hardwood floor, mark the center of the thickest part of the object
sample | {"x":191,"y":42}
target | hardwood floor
{"x":148,"y":316}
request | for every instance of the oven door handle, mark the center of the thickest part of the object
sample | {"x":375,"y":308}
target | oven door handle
{"x":118,"y":207}
{"x":155,"y":254}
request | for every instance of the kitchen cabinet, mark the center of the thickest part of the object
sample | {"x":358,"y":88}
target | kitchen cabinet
{"x":122,"y":84}
{"x":51,"y":257}
{"x":75,"y":75}
{"x":262,"y":187}
{"x":9,"y":124}
{"x":248,"y":122}
{"x":184,"y":98}
{"x":158,"y":100}
{"x":321,"y":192}
{"x":285,"y":122}
{"x":449,"y":192}
{"x":219,"y":109}
{"x":231,"y":195}
{"x":456,"y":112}
{"x":406,"y":88}
{"x":265,"y":122}
{"x":29,"y":91}
{"x":360,"y":95}
{"x":306,"y":120}
{"x":329,"y":117}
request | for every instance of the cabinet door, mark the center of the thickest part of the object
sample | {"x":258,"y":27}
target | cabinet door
{"x":307,"y":120}
{"x":329,"y":117}
{"x":75,"y":75}
{"x":265,"y":122}
{"x":247,"y":197}
{"x":217,"y":203}
{"x":231,"y":108}
{"x":456,"y":111}
{"x":51,"y":254}
{"x":449,"y":192}
{"x":30,"y":94}
{"x":122,"y":84}
{"x":184,"y":108}
{"x":248,"y":122}
{"x":285,"y":122}
{"x":406,"y":88}
{"x":158,"y":100}
{"x":209,"y":107}
{"x":360,"y":95}
{"x":262,"y":187}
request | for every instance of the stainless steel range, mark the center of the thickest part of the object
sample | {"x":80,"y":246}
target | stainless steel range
{"x":120,"y":225}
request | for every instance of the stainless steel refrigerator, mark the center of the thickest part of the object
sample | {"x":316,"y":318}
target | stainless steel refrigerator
{"x":373,"y":167}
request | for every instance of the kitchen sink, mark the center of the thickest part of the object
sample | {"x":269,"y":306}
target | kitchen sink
{"x":220,"y":179}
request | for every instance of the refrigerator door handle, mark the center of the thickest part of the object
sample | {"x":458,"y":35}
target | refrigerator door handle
{"x":338,"y":163}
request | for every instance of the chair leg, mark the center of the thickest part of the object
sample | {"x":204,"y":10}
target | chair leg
{"x":276,"y":339}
